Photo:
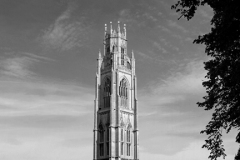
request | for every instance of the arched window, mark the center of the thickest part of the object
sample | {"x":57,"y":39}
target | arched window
{"x":122,"y":50}
{"x":128,"y":142}
{"x":129,"y":139}
{"x":122,"y":56}
{"x":122,"y":141}
{"x":101,"y":134}
{"x":107,"y":139}
{"x":123,"y":92}
{"x":107,"y":93}
{"x":122,"y":59}
{"x":101,"y":140}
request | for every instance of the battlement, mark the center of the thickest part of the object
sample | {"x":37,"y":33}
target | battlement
{"x":115,"y":33}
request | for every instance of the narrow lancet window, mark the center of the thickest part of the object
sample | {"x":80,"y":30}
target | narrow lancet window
{"x":107,"y":93}
{"x":123,"y":92}
{"x":128,"y":142}
{"x":122,"y":56}
{"x":122,"y":142}
{"x":101,"y":140}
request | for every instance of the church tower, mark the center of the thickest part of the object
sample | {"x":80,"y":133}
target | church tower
{"x":115,"y":109}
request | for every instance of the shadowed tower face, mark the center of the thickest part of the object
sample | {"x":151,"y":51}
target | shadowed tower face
{"x":115,"y":110}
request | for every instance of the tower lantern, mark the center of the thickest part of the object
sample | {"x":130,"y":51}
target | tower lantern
{"x":115,"y":109}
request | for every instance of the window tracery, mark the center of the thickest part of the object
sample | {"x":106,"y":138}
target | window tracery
{"x":122,"y":141}
{"x":129,"y":140}
{"x":122,"y":56}
{"x":107,"y":139}
{"x":123,"y":92}
{"x":101,"y":140}
{"x":107,"y":93}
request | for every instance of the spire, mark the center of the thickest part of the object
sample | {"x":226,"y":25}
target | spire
{"x":118,"y":26}
{"x":105,"y":29}
{"x":110,"y":27}
{"x":99,"y":55}
{"x":125,"y":31}
{"x":132,"y":54}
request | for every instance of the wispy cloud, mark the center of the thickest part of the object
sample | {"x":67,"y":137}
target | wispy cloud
{"x":174,"y":24}
{"x":150,"y":17}
{"x":206,"y":12}
{"x":153,"y":57}
{"x":126,"y":16}
{"x":145,"y":56}
{"x":36,"y":114}
{"x":19,"y":64}
{"x":188,"y":80}
{"x":171,"y":105}
{"x":168,"y":44}
{"x":182,"y":86}
{"x":65,"y":33}
{"x":165,"y":29}
{"x":29,"y":98}
{"x":160,"y":48}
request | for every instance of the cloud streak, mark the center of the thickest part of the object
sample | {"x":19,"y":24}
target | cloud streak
{"x":65,"y":34}
{"x":28,"y":98}
{"x":174,"y":24}
{"x":19,"y":64}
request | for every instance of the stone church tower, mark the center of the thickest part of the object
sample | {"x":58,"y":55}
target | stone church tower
{"x":115,"y":111}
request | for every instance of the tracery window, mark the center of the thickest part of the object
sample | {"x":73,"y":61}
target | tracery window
{"x":101,"y":134}
{"x":101,"y":140}
{"x":123,"y":92}
{"x":122,"y":50}
{"x":128,"y":142}
{"x":107,"y":93}
{"x":122,"y":59}
{"x":108,"y":49}
{"x":122,"y":141}
{"x":122,"y":56}
{"x":101,"y":149}
{"x":107,"y":139}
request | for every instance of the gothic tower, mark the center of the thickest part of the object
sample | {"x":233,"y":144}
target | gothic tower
{"x":115,"y":110}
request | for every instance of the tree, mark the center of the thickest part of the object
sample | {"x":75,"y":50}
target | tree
{"x":223,"y":69}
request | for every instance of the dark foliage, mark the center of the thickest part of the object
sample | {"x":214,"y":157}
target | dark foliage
{"x":223,"y":69}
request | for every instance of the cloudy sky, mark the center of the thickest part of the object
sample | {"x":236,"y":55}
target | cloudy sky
{"x":48,"y":51}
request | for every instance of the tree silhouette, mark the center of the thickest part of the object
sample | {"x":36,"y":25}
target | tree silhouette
{"x":223,"y":69}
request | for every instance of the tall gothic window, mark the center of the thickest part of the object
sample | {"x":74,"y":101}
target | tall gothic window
{"x":122,"y":56}
{"x":122,"y":50}
{"x":128,"y":142}
{"x":101,"y":134}
{"x":107,"y":139}
{"x":101,"y":140}
{"x":107,"y":93}
{"x":123,"y":92}
{"x":122,"y":141}
{"x":101,"y":149}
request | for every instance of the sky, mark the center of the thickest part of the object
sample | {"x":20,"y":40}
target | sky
{"x":48,"y":52}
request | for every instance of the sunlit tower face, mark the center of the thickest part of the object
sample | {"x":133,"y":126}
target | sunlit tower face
{"x":115,"y":111}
